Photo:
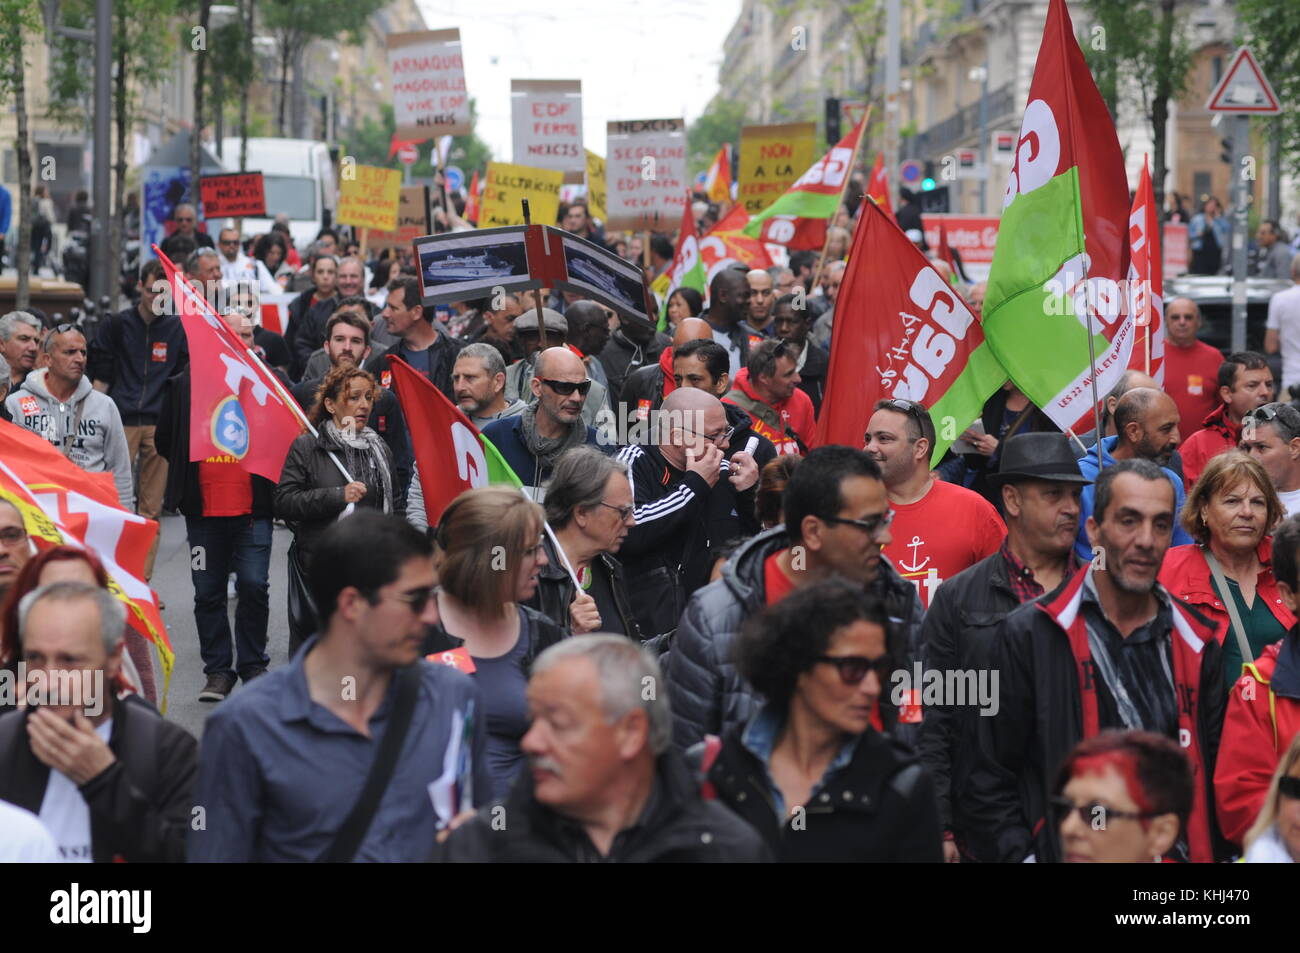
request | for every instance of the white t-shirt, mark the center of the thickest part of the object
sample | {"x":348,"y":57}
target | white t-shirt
{"x":66,"y":815}
{"x":23,"y":839}
{"x":1284,"y":317}
{"x":1290,"y":501}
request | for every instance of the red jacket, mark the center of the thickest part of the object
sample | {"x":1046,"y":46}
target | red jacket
{"x":772,"y":420}
{"x":1186,"y":574}
{"x":1216,"y":435}
{"x":1263,"y":716}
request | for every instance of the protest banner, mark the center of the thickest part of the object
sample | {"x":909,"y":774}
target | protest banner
{"x":647,"y":159}
{"x":506,"y":184}
{"x":546,"y":121}
{"x":595,"y":186}
{"x":428,"y":76}
{"x":232,"y":196}
{"x":973,"y":237}
{"x":370,"y":197}
{"x":412,"y":221}
{"x":771,"y":159}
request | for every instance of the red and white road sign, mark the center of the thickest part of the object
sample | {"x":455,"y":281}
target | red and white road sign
{"x":1244,"y":89}
{"x":408,"y":155}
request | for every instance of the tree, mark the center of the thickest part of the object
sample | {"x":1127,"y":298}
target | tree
{"x":18,"y":18}
{"x":719,"y":124}
{"x":370,"y":142}
{"x":1272,"y":28}
{"x":1143,"y":47}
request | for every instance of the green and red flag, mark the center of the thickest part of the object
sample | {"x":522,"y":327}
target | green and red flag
{"x":902,"y":331}
{"x":727,"y":242}
{"x":451,"y":454}
{"x":1062,"y":251}
{"x":687,"y":270}
{"x":798,"y":218}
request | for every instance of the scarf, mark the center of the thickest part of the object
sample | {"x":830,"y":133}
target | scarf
{"x":363,"y":455}
{"x":548,"y":449}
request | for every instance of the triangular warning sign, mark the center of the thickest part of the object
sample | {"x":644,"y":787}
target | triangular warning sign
{"x":1244,"y":89}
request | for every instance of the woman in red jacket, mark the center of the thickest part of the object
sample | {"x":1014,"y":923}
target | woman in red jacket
{"x":1263,"y":714}
{"x":1229,"y":512}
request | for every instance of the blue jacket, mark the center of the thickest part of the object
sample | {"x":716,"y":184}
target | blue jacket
{"x":135,"y":360}
{"x":1088,"y":467}
{"x":507,"y":436}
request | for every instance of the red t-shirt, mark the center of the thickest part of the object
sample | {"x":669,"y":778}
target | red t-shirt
{"x":947,"y":530}
{"x":1192,"y":380}
{"x":226,"y":486}
{"x":776,"y":584}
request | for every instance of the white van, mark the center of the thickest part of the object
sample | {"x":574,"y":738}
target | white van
{"x":299,"y":180}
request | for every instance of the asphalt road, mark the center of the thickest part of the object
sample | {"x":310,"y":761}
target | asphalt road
{"x":171,"y":579}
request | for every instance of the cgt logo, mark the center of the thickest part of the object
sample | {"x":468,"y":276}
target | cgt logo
{"x":230,"y":428}
{"x":75,"y":906}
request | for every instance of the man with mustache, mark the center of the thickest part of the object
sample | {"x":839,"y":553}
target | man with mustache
{"x":1111,"y":649}
{"x":1040,"y":485}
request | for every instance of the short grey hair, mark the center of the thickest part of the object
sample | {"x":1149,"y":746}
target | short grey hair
{"x":490,"y":356}
{"x":47,"y":345}
{"x":9,"y":323}
{"x":4,"y":374}
{"x":578,"y":481}
{"x":112,"y":614}
{"x":778,"y":272}
{"x":630,"y":678}
{"x":192,"y":263}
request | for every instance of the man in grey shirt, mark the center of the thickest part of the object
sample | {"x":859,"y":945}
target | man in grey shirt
{"x":1274,"y":259}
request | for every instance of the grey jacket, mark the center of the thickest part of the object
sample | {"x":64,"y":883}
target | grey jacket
{"x":99,"y":442}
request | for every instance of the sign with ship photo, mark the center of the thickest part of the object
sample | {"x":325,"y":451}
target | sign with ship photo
{"x":463,"y":266}
{"x":601,"y":275}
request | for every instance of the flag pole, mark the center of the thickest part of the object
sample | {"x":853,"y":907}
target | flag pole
{"x":848,"y":177}
{"x":537,"y":296}
{"x":1151,"y":240}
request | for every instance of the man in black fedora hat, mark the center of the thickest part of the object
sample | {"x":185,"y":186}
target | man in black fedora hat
{"x":1040,"y":483}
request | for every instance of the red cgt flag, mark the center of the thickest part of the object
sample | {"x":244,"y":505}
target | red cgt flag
{"x":1146,"y":280}
{"x":237,"y":408}
{"x":878,"y":185}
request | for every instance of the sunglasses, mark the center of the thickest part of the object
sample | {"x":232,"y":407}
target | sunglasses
{"x":1062,"y":807}
{"x":565,"y":388}
{"x":872,"y":527}
{"x":418,"y":600}
{"x":1289,"y":786}
{"x":853,"y":668}
{"x":1267,"y":413}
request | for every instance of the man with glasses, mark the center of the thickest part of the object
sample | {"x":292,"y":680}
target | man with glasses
{"x":186,"y":220}
{"x":1040,"y":485}
{"x":690,"y":499}
{"x":287,"y":764}
{"x":767,"y":388}
{"x":837,"y":519}
{"x":702,"y":364}
{"x":1191,"y":365}
{"x":1272,"y":436}
{"x":532,"y":441}
{"x":941,"y":528}
{"x":15,"y":547}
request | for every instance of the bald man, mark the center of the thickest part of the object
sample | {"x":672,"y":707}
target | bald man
{"x":645,"y":389}
{"x":1191,"y":365}
{"x":690,"y":498}
{"x":552,"y":424}
{"x":761,"y":298}
{"x":1146,"y":426}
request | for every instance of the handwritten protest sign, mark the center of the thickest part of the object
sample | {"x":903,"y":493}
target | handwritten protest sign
{"x":369,"y":199}
{"x":506,"y":184}
{"x":428,"y":76}
{"x":647,"y":161}
{"x":595,"y":185}
{"x":232,"y":196}
{"x":411,"y":221}
{"x":771,"y":159}
{"x":546,"y":119}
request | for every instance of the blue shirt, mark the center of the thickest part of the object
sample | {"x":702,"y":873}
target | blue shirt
{"x":759,"y":739}
{"x":1088,"y":467}
{"x":503,"y":686}
{"x":279,"y":773}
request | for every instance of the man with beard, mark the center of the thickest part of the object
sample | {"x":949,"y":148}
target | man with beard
{"x":1146,"y":427}
{"x":1040,"y":484}
{"x":478,"y":382}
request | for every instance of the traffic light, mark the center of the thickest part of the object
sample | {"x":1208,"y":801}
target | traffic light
{"x":1226,"y":154}
{"x":832,"y":120}
{"x":928,"y":183}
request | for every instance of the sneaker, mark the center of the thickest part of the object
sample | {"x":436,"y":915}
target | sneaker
{"x":217,"y":688}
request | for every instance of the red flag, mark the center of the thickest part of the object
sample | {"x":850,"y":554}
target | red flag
{"x":717,"y":182}
{"x":901,"y":331}
{"x":727,"y":242}
{"x":1146,"y":281}
{"x":878,"y":185}
{"x":62,"y":503}
{"x":945,"y":255}
{"x":231,"y":390}
{"x":471,"y":201}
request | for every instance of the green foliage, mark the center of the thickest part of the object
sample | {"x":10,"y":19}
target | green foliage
{"x":1272,"y":28}
{"x":16,"y":18}
{"x":719,"y":124}
{"x":369,"y":145}
{"x":1133,"y":50}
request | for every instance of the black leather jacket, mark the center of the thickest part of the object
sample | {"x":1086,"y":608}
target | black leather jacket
{"x":555,"y":591}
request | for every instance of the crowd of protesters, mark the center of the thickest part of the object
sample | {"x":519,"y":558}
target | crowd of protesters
{"x":693,"y":636}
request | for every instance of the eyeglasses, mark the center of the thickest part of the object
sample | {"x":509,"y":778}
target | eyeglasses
{"x":1289,"y":786}
{"x":565,"y":388}
{"x":722,"y":436}
{"x":12,"y":535}
{"x":872,"y":527}
{"x":623,"y":511}
{"x":418,"y":600}
{"x":536,"y":552}
{"x":853,"y":668}
{"x":1089,"y":813}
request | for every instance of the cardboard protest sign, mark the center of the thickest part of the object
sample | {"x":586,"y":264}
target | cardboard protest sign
{"x":369,"y":197}
{"x":411,"y":221}
{"x":506,"y":184}
{"x":647,"y":161}
{"x":428,"y":77}
{"x":232,"y":196}
{"x":546,"y":121}
{"x":771,"y":159}
{"x":595,"y":185}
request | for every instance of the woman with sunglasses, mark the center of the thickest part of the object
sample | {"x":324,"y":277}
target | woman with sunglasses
{"x":589,"y":510}
{"x":1230,"y":511}
{"x":488,"y":554}
{"x":811,"y":771}
{"x":1122,"y":797}
{"x":1275,"y":837}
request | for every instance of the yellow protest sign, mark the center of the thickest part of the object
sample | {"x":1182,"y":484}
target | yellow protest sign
{"x":507,"y":184}
{"x":771,"y":159}
{"x":369,"y":197}
{"x":595,"y":185}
